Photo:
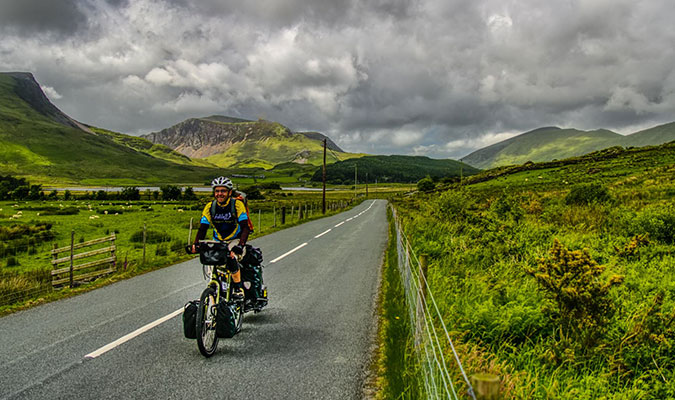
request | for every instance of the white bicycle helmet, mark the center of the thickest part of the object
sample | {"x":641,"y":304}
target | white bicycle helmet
{"x":223,"y":182}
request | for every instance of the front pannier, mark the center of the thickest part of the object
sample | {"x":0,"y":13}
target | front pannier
{"x":226,"y":324}
{"x":190,"y":319}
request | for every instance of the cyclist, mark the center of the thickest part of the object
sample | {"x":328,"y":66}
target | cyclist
{"x":227,"y":226}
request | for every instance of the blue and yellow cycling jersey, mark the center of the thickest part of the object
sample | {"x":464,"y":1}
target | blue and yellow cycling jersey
{"x":225,"y":224}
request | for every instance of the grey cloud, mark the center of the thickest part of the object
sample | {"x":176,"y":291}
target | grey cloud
{"x":62,"y":17}
{"x":435,"y":76}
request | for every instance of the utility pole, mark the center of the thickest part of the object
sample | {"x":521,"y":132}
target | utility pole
{"x":323,"y":207}
{"x":355,"y":179}
{"x":366,"y":185}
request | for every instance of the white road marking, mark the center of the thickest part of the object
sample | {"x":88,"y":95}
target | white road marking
{"x":165,"y":318}
{"x":133,"y":334}
{"x":321,"y":234}
{"x":349,"y":219}
{"x":288,"y":252}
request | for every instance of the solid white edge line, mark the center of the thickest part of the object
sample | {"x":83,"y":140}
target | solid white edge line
{"x":321,"y":234}
{"x":288,"y":252}
{"x":132,"y":335}
{"x":339,"y":224}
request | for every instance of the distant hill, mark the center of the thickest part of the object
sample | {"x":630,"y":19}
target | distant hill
{"x":543,"y":144}
{"x":238,"y":143}
{"x":39,"y":141}
{"x":392,"y":169}
{"x":551,"y":143}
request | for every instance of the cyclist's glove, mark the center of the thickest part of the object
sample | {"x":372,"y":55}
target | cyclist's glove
{"x":238,"y":250}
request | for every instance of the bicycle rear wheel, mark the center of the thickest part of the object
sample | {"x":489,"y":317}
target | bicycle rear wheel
{"x":207,"y":341}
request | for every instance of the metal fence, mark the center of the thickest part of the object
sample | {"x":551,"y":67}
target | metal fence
{"x":429,"y":329}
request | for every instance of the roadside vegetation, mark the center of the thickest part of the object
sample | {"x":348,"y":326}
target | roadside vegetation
{"x":29,"y":229}
{"x":558,"y":277}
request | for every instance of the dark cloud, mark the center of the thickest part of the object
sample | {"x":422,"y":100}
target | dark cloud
{"x":435,"y":77}
{"x":26,"y":17}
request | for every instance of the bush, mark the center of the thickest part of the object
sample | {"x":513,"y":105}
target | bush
{"x":130,"y":193}
{"x":161,"y":250}
{"x":12,"y":261}
{"x":579,"y":299}
{"x":587,"y":194}
{"x":658,"y":222}
{"x":426,"y":185}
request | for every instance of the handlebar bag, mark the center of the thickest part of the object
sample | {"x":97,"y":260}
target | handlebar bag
{"x":213,"y":253}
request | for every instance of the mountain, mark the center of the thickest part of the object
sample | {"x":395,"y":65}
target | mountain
{"x":233,"y":142}
{"x":551,"y":143}
{"x":392,"y":169}
{"x":39,"y":141}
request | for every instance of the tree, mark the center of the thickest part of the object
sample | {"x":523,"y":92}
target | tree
{"x":130,"y":193}
{"x":189,"y":194}
{"x":170,"y":192}
{"x":426,"y":185}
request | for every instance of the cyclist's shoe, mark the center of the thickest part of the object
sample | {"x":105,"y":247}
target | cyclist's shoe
{"x":237,"y":294}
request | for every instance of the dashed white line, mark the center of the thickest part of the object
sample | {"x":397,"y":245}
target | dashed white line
{"x":321,"y":234}
{"x":288,"y":252}
{"x":339,"y":224}
{"x":132,"y":335}
{"x":349,"y":219}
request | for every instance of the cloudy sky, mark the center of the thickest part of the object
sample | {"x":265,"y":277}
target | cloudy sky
{"x":437,"y":77}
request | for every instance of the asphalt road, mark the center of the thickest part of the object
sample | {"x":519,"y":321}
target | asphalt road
{"x":312,"y":341}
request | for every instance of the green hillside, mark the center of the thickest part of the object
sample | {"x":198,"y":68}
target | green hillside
{"x":392,"y":169}
{"x":551,"y":143}
{"x":145,"y":146}
{"x":543,"y":144}
{"x":39,"y":142}
{"x":652,"y":136}
{"x":271,"y":150}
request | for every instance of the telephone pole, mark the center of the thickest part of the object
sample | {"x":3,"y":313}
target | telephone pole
{"x":323,"y":206}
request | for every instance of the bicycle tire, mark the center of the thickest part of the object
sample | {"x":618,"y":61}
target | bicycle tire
{"x":207,"y":340}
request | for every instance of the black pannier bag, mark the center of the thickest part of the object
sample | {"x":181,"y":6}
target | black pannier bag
{"x":213,"y":253}
{"x":253,"y":256}
{"x":190,"y":319}
{"x":253,"y":274}
{"x":226,"y":325}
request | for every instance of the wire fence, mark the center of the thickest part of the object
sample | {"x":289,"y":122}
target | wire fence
{"x":429,"y":329}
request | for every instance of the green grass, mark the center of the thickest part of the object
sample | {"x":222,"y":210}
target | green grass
{"x":29,"y":258}
{"x":485,"y":237}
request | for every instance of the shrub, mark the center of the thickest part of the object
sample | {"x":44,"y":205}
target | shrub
{"x":579,"y":299}
{"x":161,"y":250}
{"x":426,"y":185}
{"x":130,"y":193}
{"x":507,"y":207}
{"x":658,"y":222}
{"x":454,"y":204}
{"x":12,"y":261}
{"x":587,"y":194}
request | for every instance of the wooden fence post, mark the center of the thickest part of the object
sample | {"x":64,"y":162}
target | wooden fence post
{"x":112,"y":252}
{"x":72,"y":250}
{"x":485,"y":386}
{"x":190,"y":231}
{"x":144,"y":238}
{"x":275,"y":217}
{"x":259,"y":226}
{"x":283,"y":215}
{"x":292,"y":212}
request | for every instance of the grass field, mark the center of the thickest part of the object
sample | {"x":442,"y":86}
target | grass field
{"x":558,"y":277}
{"x":28,"y":231}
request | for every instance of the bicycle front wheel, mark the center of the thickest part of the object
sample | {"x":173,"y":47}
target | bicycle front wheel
{"x":207,"y":341}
